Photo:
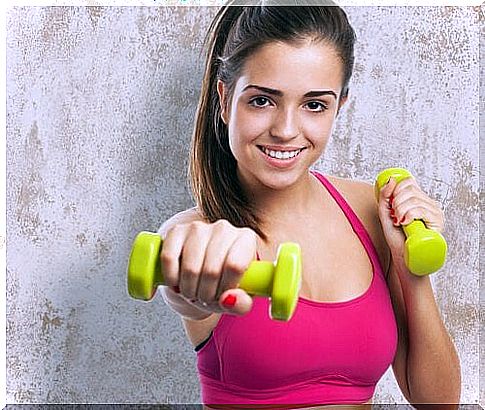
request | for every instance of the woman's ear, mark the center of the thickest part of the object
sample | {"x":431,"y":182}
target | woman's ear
{"x":222,"y":91}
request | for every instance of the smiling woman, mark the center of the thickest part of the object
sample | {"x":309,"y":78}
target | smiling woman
{"x":275,"y":80}
{"x":283,"y":106}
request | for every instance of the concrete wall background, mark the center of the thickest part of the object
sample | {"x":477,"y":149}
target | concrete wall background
{"x":100,"y":102}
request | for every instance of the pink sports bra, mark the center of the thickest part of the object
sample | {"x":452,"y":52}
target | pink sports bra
{"x":328,"y":353}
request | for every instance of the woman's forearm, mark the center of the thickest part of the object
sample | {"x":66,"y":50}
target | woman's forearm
{"x":433,"y":367}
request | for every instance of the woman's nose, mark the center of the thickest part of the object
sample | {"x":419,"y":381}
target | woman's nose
{"x":285,"y":125}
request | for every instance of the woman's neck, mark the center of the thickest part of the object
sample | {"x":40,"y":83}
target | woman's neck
{"x":281,"y":208}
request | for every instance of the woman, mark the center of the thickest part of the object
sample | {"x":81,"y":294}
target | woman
{"x":275,"y":80}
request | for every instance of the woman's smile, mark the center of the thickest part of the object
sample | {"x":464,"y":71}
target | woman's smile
{"x":280,"y":157}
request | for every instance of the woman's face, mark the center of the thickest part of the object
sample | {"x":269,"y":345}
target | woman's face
{"x":282,"y":111}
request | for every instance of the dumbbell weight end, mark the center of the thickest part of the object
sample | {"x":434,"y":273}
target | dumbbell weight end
{"x":144,"y":272}
{"x":424,"y":250}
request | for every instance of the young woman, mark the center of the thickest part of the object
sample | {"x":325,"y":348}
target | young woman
{"x":275,"y":80}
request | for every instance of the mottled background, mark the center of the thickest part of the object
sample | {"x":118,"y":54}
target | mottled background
{"x":100,"y":103}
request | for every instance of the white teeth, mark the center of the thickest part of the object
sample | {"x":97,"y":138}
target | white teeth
{"x":281,"y":154}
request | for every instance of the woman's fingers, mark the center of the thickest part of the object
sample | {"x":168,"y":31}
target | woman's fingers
{"x":419,"y":208}
{"x":212,"y":268}
{"x":170,"y":255}
{"x":385,"y":201}
{"x":239,"y":256}
{"x":193,"y":255}
{"x":410,"y":202}
{"x":200,"y":261}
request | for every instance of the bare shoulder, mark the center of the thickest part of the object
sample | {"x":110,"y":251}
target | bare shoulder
{"x":187,"y":216}
{"x":361,"y":197}
{"x":360,"y":193}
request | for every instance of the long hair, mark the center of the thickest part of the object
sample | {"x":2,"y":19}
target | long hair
{"x":235,"y":33}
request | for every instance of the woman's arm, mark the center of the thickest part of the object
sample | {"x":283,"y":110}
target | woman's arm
{"x":426,"y":365}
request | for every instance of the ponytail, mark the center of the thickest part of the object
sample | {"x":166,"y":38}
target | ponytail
{"x":212,"y":167}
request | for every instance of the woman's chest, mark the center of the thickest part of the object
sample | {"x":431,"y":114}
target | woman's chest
{"x":345,"y":344}
{"x":336,"y":265}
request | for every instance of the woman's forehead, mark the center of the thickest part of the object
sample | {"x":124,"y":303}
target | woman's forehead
{"x":283,"y":66}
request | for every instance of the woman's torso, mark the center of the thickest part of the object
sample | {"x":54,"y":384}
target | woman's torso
{"x":345,"y":261}
{"x":342,"y":272}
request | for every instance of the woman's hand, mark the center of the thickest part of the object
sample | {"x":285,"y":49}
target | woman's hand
{"x":400,"y":204}
{"x":204,"y":262}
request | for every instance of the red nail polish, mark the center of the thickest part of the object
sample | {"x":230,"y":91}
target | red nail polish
{"x":392,"y":212}
{"x":394,"y":219}
{"x":391,"y":198}
{"x":229,"y":301}
{"x":402,"y":220}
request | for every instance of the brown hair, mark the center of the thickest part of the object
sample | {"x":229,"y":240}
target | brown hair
{"x":235,"y":33}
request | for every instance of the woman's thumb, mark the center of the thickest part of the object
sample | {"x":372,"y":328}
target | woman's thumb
{"x":236,"y":301}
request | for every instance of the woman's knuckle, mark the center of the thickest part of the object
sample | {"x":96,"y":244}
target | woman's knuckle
{"x":235,"y":267}
{"x":196,"y":227}
{"x":212,"y":274}
{"x":220,"y":226}
{"x":248,"y":232}
{"x":190,"y":271}
{"x":166,"y":258}
{"x":222,"y":223}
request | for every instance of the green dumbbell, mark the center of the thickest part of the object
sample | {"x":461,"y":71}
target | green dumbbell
{"x":280,"y":280}
{"x":425,"y":249}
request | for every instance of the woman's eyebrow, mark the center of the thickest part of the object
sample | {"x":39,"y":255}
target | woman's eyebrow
{"x":278,"y":93}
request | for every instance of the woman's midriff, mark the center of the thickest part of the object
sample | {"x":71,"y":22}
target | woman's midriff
{"x":363,"y":406}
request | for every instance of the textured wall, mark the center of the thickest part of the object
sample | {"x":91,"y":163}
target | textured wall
{"x":100,"y":103}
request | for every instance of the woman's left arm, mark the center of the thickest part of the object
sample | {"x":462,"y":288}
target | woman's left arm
{"x":426,"y":365}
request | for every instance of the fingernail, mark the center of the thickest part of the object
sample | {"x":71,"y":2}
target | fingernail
{"x":392,"y":212}
{"x":229,"y":301}
{"x":402,"y":220}
{"x":391,"y":198}
{"x":394,"y":219}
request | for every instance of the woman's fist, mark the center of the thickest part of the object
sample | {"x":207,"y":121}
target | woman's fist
{"x":204,"y":262}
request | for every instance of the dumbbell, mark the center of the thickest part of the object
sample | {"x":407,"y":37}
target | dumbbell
{"x":424,"y":249}
{"x":279,"y":280}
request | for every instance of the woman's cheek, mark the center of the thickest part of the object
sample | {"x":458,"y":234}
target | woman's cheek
{"x":248,"y":128}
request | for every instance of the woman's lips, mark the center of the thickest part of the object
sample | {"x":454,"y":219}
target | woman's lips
{"x":281,"y":157}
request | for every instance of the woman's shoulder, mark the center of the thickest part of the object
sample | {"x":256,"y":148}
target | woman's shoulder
{"x":183,"y":217}
{"x":360,"y":195}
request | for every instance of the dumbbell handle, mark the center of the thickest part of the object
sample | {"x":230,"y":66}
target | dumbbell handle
{"x":145,"y":263}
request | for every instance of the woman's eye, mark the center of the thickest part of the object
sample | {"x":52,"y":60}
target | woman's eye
{"x":259,"y":102}
{"x":316,"y":106}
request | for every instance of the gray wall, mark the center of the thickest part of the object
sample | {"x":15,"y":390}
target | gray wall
{"x":100,"y":103}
